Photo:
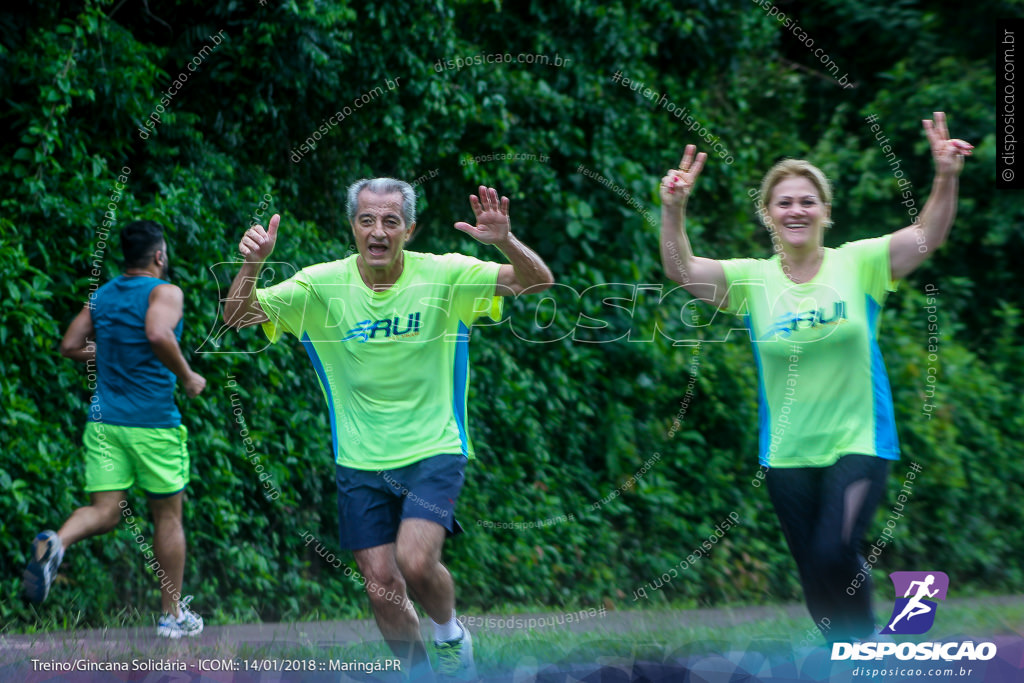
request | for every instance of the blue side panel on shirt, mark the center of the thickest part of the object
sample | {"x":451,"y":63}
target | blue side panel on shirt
{"x":318,"y":366}
{"x":459,"y":381}
{"x":886,"y":442}
{"x":764,"y":437}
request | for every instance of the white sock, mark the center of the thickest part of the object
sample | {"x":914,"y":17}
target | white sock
{"x":445,"y":632}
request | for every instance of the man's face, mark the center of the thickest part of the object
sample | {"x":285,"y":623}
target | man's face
{"x":380,"y":229}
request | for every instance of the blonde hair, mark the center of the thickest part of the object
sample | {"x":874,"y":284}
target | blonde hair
{"x":792,"y":168}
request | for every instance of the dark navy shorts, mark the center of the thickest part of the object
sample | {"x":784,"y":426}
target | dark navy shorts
{"x":372,"y":504}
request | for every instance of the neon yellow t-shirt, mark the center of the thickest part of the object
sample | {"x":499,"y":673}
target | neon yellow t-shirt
{"x":393,"y":365}
{"x":823,"y":388}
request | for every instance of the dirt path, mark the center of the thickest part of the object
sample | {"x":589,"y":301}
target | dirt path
{"x":267,"y":652}
{"x":228,"y":640}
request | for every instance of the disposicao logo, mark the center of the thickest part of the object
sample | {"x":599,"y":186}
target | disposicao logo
{"x":913,"y":614}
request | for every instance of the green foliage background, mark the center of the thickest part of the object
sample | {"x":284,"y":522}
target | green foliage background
{"x":561,"y":419}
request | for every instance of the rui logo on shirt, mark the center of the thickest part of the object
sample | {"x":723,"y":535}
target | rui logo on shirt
{"x":386,"y":327}
{"x":789,"y":322}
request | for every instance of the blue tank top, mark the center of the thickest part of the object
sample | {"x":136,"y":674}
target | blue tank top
{"x":132,"y":387}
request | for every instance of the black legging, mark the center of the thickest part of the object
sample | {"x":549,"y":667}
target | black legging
{"x":824,"y":513}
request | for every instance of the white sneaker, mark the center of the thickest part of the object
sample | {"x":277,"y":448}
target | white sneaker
{"x":455,"y":658}
{"x":188,"y":622}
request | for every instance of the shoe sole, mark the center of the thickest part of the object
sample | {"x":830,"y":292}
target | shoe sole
{"x":34,"y":577}
{"x":175,"y":633}
{"x":36,"y":589}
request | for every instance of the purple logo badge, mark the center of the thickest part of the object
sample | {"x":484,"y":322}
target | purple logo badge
{"x":916,"y":592}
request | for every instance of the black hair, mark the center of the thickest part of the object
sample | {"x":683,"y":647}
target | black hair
{"x":139,"y":241}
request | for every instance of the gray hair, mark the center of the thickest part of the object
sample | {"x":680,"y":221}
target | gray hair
{"x":383,"y":186}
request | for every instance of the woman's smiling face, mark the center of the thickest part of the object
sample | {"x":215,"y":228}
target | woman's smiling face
{"x":797,"y":213}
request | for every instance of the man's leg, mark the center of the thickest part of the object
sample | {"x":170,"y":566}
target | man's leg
{"x":101,"y":515}
{"x":108,"y":474}
{"x":368,"y":518}
{"x":396,"y":617}
{"x":428,"y":516}
{"x":161,"y":458}
{"x":403,"y":557}
{"x":169,"y":548}
{"x":418,"y":555}
{"x":48,"y":547}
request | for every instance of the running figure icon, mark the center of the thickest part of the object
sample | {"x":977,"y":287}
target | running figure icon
{"x":915,"y":607}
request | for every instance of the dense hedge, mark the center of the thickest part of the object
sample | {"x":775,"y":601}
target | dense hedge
{"x":563,"y":414}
